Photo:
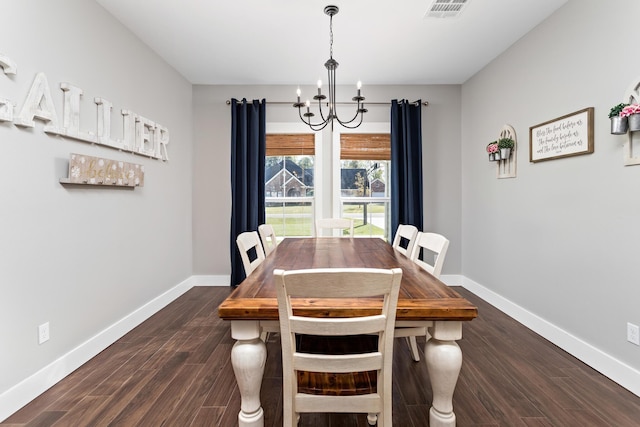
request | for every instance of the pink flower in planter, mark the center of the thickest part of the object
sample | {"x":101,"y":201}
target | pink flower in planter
{"x":629,"y":110}
{"x":492,"y":148}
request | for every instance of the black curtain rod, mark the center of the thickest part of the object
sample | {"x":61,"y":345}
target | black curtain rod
{"x":425,"y":103}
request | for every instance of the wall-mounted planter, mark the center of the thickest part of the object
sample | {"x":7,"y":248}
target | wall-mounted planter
{"x":632,"y":96}
{"x":634,"y":122}
{"x":619,"y":125}
{"x":508,"y":156}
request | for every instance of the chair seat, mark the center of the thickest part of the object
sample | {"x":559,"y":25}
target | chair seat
{"x":337,"y":384}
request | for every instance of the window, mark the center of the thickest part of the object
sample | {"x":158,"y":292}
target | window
{"x":290,"y":177}
{"x":364,"y":182}
{"x":359,"y":168}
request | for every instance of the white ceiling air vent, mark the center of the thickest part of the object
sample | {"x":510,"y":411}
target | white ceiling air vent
{"x":446,"y":8}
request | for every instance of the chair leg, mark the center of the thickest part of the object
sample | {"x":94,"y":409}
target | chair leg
{"x":372,"y":419}
{"x":264,"y":336}
{"x":413,"y":347}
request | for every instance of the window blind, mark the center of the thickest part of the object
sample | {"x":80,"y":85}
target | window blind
{"x":295,"y":144}
{"x":365,"y":146}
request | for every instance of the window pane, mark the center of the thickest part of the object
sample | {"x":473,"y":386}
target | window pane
{"x":289,"y":191}
{"x":364,"y":194}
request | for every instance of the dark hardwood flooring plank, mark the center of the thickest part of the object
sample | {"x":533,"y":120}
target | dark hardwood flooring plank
{"x":175,"y":370}
{"x":208,"y":416}
{"x":121,"y":397}
{"x":226,"y":381}
{"x":87,"y":408}
{"x":198,"y":391}
{"x":142,"y":401}
{"x":168,"y":401}
{"x":45,"y":419}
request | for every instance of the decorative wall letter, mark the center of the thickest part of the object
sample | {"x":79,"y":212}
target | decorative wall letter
{"x":104,"y":124}
{"x":162,"y":139}
{"x":71,"y":114}
{"x":39,"y":105}
{"x":144,"y":136}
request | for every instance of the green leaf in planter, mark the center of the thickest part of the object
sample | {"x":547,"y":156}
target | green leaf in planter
{"x":616,"y":109}
{"x":505,"y":143}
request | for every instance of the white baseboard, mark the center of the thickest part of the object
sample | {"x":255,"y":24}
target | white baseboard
{"x":617,"y":371}
{"x":25,"y":391}
{"x":222,"y":280}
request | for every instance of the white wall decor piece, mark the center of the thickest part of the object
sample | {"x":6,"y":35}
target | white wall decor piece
{"x":567,"y":136}
{"x":91,"y":170}
{"x":632,"y":96}
{"x":507,"y":166}
{"x":140,"y":134}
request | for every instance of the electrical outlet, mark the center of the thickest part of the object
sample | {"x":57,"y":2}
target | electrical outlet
{"x":633,"y":333}
{"x":43,"y":333}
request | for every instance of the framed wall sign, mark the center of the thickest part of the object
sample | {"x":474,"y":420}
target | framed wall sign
{"x":570,"y":135}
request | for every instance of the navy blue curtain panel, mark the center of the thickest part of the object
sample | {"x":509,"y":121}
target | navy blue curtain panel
{"x":406,"y":164}
{"x":248,"y":144}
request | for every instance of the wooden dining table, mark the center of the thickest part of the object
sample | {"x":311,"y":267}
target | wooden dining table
{"x":424,"y":301}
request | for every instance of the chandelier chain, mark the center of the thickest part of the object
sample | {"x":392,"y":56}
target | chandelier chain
{"x":331,"y":36}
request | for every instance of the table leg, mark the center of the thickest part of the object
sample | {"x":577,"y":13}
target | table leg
{"x":444,"y":359}
{"x":248,"y":358}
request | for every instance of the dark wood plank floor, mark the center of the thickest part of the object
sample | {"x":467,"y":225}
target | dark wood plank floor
{"x":175,"y":370}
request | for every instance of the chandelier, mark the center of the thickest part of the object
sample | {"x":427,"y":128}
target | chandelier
{"x":332,"y":114}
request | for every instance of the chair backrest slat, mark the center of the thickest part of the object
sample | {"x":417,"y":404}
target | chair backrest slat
{"x":337,"y":363}
{"x":337,"y":326}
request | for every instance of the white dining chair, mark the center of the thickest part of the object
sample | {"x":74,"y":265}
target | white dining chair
{"x":341,"y":224}
{"x":247,"y":241}
{"x":433,"y":247}
{"x":429,"y":251}
{"x":268,"y":237}
{"x":404,"y":239}
{"x":305,"y":374}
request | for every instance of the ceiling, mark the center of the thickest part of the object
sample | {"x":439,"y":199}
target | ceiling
{"x":287,"y":41}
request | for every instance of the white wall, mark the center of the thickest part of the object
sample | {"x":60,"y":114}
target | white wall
{"x":560,"y":240}
{"x":84,"y":258}
{"x":212,"y":190}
